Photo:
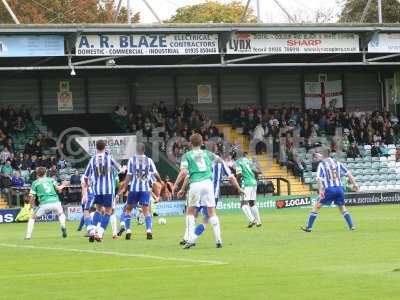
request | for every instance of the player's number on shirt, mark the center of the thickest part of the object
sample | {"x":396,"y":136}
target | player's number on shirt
{"x":47,"y":187}
{"x":201,"y":163}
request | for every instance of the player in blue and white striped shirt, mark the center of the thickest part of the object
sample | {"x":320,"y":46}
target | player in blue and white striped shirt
{"x":141,"y":169}
{"x":331,"y":188}
{"x":100,"y":168}
{"x":87,"y":205}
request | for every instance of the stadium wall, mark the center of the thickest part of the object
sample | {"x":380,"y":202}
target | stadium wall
{"x":100,"y":94}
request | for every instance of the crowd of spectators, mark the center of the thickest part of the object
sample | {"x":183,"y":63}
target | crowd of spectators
{"x":170,"y":124}
{"x":346,"y":131}
{"x":17,"y":166}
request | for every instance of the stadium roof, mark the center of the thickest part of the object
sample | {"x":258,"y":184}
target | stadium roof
{"x":71,"y":32}
{"x":211,"y":27}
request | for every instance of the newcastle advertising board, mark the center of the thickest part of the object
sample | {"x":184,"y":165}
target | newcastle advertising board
{"x":147,"y":44}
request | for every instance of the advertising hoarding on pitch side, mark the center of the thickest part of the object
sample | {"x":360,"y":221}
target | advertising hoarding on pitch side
{"x":31,"y":45}
{"x":147,"y":44}
{"x":119,"y":146}
{"x":293,"y":43}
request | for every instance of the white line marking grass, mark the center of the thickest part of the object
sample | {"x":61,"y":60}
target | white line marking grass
{"x":114,"y":253}
{"x":72,"y":273}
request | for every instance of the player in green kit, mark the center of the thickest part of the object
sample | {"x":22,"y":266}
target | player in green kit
{"x":198,"y":165}
{"x":44,"y":189}
{"x":246,"y":170}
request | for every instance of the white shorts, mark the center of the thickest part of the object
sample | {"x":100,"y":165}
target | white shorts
{"x":250,"y":193}
{"x":49,"y":207}
{"x":201,"y":194}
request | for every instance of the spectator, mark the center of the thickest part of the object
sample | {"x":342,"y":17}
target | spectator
{"x":346,"y":141}
{"x":5,"y":154}
{"x":38,"y":148}
{"x":9,"y":144}
{"x":353,"y":151}
{"x":3,"y":136}
{"x":375,"y":150}
{"x":19,"y":125}
{"x":17,"y":180}
{"x":75,"y":178}
{"x":317,"y":157}
{"x":389,"y":136}
{"x":49,"y":141}
{"x":397,"y":153}
{"x":187,"y":109}
{"x":148,"y":128}
{"x":53,"y":172}
{"x":166,"y":191}
{"x":32,"y":163}
{"x":6,"y":175}
{"x":32,"y":176}
{"x":297,"y":166}
{"x":29,"y":148}
{"x":121,"y":111}
{"x":44,"y":161}
{"x":259,"y":135}
{"x":384,"y":151}
{"x":61,"y":164}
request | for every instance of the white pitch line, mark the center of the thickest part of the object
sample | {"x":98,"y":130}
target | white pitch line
{"x":91,"y":271}
{"x":113,"y":253}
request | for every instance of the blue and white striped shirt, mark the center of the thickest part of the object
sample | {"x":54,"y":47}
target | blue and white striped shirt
{"x":142,"y":170}
{"x":220,"y":170}
{"x":100,"y":169}
{"x":330,"y":173}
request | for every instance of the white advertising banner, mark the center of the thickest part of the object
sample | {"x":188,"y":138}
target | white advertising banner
{"x":292,"y":43}
{"x":119,"y":146}
{"x":385,"y":43}
{"x":148,"y":44}
{"x":330,"y":92}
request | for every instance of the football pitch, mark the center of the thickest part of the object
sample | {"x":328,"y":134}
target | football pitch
{"x":277,"y":261}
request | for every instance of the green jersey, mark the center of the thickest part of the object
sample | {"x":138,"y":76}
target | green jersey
{"x":245,"y":167}
{"x":44,"y":189}
{"x":199,"y":164}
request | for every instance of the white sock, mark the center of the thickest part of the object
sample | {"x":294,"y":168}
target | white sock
{"x":100,"y":232}
{"x":122,"y":224}
{"x":29,"y":230}
{"x":216,"y":228}
{"x":256,"y":214}
{"x":113,"y":221}
{"x":61,"y":219}
{"x":186,"y":234}
{"x":247,"y":212}
{"x":191,"y":224}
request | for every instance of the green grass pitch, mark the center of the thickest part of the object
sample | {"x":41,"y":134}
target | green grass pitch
{"x":277,"y":261}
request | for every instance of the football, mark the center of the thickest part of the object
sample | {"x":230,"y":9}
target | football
{"x":162,"y":221}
